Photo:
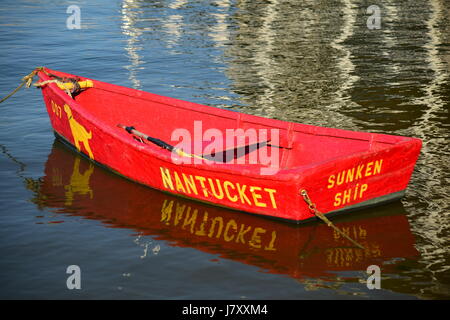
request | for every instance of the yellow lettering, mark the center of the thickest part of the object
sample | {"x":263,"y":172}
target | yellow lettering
{"x":271,"y":246}
{"x":190,"y":220}
{"x":227,"y":228}
{"x":272,"y":197}
{"x":362,"y":232}
{"x":179,"y":211}
{"x":340,"y":178}
{"x":178,"y":185}
{"x":166,"y":211}
{"x":213,"y":188}
{"x":241,"y":234}
{"x":202,"y":183}
{"x":331,"y":181}
{"x":242,"y":195}
{"x":56,"y":109}
{"x":350,"y":174}
{"x":190,"y":184}
{"x":213,"y":226}
{"x":166,"y":178}
{"x":359,"y":172}
{"x":346,"y":197}
{"x":356,"y":191}
{"x":369,"y":169}
{"x":337,"y":199}
{"x":201,"y":230}
{"x":227,"y":184}
{"x":363,"y":188}
{"x":256,"y":197}
{"x":377,"y":168}
{"x":256,"y":239}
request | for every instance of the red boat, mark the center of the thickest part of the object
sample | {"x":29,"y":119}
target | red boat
{"x":227,"y":158}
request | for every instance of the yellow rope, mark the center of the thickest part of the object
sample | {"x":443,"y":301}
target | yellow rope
{"x":185,"y":154}
{"x":28,"y":79}
{"x":60,"y":84}
{"x":66,"y":86}
{"x":321,"y":216}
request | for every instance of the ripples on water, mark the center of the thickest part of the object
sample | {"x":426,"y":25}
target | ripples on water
{"x":313,"y":62}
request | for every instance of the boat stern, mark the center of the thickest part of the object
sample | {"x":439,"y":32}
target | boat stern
{"x":375,"y":177}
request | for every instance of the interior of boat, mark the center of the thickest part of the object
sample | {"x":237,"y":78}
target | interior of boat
{"x":222,"y":135}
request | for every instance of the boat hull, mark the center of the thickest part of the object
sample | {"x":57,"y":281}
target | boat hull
{"x":344,"y":184}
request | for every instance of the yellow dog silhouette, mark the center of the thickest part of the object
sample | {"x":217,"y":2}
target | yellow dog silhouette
{"x":79,"y":133}
{"x":79,"y":182}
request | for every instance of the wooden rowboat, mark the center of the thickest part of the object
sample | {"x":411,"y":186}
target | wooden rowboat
{"x":227,"y":158}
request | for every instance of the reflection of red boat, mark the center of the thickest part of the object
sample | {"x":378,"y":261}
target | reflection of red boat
{"x":339,"y":169}
{"x":75,"y":186}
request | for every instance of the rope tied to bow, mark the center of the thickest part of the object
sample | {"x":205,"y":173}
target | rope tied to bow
{"x":27,"y":80}
{"x":321,"y":216}
{"x":72,"y":86}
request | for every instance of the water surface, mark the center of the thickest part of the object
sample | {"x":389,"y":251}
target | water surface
{"x":314,"y":62}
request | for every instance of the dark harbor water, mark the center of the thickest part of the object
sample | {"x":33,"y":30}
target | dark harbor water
{"x":313,"y":62}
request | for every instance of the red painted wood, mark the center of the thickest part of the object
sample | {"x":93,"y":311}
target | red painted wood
{"x":338,"y":168}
